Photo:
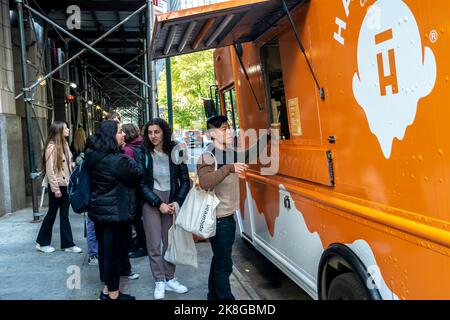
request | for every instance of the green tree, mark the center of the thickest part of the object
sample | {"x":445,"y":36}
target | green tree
{"x":192,"y":74}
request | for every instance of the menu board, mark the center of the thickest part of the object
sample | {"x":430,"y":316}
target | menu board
{"x":294,"y":117}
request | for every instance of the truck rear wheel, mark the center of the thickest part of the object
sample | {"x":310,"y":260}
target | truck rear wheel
{"x":347,"y":287}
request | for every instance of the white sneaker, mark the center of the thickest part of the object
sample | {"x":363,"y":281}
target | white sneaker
{"x":93,"y":261}
{"x":175,"y":286}
{"x":159,"y":290}
{"x":73,"y":249}
{"x":46,"y":249}
{"x":133,"y":275}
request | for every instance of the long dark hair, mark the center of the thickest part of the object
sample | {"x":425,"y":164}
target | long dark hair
{"x":167,"y":136}
{"x":104,"y":139}
{"x":55,"y":136}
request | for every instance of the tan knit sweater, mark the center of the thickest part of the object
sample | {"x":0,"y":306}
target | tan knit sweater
{"x":54,"y":178}
{"x":224,"y":182}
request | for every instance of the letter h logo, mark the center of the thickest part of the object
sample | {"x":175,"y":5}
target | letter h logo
{"x":391,"y":79}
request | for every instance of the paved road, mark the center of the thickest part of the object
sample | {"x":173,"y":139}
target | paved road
{"x":263,"y":276}
{"x":45,"y":276}
{"x":194,"y":153}
{"x":26,"y":274}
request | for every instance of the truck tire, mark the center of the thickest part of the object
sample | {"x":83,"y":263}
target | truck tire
{"x":347,"y":286}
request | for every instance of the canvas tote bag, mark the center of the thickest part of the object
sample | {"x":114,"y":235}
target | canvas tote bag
{"x":198,"y":212}
{"x":181,"y":247}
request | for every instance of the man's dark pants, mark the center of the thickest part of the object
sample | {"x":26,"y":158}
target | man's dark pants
{"x":222,"y":265}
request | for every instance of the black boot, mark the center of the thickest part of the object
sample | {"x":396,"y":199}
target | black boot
{"x":122,"y":296}
{"x":140,"y":252}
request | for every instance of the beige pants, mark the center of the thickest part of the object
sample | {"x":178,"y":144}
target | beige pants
{"x":156,"y":226}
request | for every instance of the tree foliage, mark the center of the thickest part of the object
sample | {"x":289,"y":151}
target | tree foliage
{"x":192,"y":75}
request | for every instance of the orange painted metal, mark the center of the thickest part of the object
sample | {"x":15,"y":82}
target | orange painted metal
{"x":201,"y":35}
{"x":399,"y":204}
{"x":305,"y":163}
{"x":252,"y":10}
{"x":202,"y":11}
{"x":222,"y":68}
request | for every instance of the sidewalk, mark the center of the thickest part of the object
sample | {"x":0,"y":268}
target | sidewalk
{"x":27,"y":274}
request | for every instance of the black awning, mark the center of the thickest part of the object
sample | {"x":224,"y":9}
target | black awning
{"x":215,"y":25}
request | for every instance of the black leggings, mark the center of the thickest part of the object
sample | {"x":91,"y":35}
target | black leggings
{"x":44,"y":237}
{"x":113,"y":261}
{"x":139,"y":242}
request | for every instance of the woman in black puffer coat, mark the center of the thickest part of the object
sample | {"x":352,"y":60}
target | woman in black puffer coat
{"x":114,"y":180}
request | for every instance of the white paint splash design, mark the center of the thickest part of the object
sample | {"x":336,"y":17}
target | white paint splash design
{"x":394,"y":70}
{"x":302,"y":248}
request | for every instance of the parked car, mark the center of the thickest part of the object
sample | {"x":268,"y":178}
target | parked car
{"x":180,"y":141}
{"x":193,"y":138}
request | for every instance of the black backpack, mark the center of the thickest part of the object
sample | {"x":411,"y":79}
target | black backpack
{"x":137,"y":152}
{"x":79,"y":188}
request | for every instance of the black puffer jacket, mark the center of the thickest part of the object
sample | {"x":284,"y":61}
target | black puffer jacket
{"x":179,"y":179}
{"x":114,"y":182}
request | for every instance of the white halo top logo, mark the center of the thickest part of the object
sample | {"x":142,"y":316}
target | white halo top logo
{"x":394,"y":71}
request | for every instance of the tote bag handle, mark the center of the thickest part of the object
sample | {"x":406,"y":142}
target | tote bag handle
{"x":196,"y":171}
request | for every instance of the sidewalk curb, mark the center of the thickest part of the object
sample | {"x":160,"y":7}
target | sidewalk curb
{"x":245,"y":283}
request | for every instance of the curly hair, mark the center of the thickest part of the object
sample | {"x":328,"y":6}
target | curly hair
{"x":104,"y":139}
{"x":167,"y":136}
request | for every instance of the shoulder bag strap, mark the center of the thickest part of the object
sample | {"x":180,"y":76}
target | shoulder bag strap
{"x":196,"y":173}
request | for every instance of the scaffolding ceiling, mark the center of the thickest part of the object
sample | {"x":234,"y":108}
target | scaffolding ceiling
{"x":175,"y":33}
{"x":97,"y":17}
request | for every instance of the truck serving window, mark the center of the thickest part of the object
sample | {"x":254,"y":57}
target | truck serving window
{"x":230,"y":107}
{"x":274,"y":86}
{"x":229,"y":97}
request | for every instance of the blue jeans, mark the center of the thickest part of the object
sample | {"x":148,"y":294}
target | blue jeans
{"x":92,"y":242}
{"x":222,"y":265}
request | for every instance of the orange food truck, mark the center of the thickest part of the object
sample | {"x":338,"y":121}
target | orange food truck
{"x":359,"y":207}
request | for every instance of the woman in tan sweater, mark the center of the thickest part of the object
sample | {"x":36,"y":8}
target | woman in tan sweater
{"x":57,"y":165}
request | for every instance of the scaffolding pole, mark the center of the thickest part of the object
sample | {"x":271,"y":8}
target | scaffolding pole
{"x":90,"y":48}
{"x":169,"y":92}
{"x":121,"y":97}
{"x":123,"y":82}
{"x":35,"y":84}
{"x":142,"y":93}
{"x":113,"y":80}
{"x":147,"y":105}
{"x":132,"y":60}
{"x":33,"y":174}
{"x":68,"y":106}
{"x":149,"y":30}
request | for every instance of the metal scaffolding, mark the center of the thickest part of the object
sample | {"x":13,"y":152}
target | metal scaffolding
{"x":99,"y":89}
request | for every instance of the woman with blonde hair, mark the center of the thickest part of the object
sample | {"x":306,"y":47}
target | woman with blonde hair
{"x":57,"y":165}
{"x":78,"y":144}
